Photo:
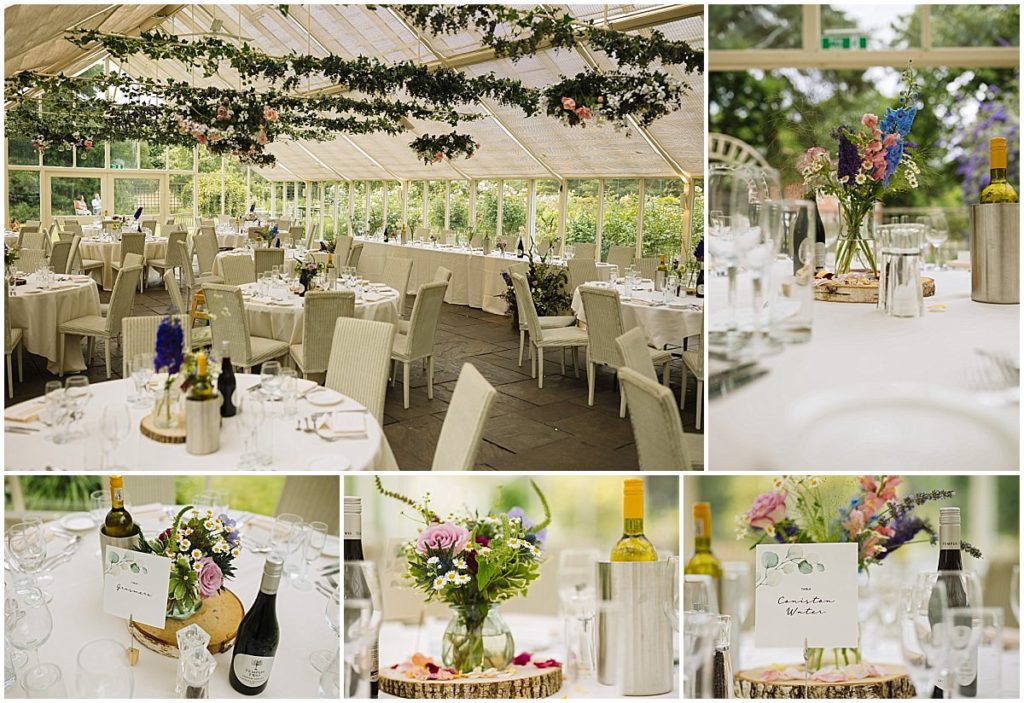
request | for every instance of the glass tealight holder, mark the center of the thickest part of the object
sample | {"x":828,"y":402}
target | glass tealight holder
{"x":190,"y":639}
{"x":197,"y":667}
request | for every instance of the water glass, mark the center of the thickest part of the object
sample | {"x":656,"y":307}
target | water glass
{"x":76,"y":393}
{"x":115,"y":424}
{"x":700,"y":630}
{"x":26,"y":543}
{"x":27,"y":623}
{"x":142,"y":372}
{"x":899,"y":270}
{"x":270,"y":379}
{"x":314,"y":539}
{"x":289,"y":391}
{"x":699,"y":594}
{"x":286,"y":527}
{"x":103,"y":671}
{"x":44,"y":681}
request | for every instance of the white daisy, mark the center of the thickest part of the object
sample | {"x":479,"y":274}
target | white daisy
{"x":198,"y":566}
{"x":440,"y":583}
{"x":459,"y":563}
{"x":184,"y":545}
{"x":433,"y":561}
{"x":235,"y":552}
{"x":196,"y":554}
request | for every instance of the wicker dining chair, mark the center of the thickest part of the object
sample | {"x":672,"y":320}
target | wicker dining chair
{"x":354,"y":254}
{"x":621,"y":257}
{"x":138,"y":335}
{"x":442,"y":275}
{"x":693,"y":362}
{"x":546,"y":321}
{"x":358,"y":367}
{"x":32,"y":239}
{"x":603,"y":310}
{"x":132,"y":243}
{"x":267,"y":258}
{"x":230,"y":324}
{"x":60,"y":256}
{"x":661,"y":443}
{"x":106,"y":327}
{"x":542,"y":338}
{"x":206,"y":252}
{"x":312,"y":497}
{"x":584,"y":251}
{"x":13,"y":337}
{"x":321,"y":310}
{"x":198,"y":337}
{"x":580,"y":271}
{"x":417,"y":342}
{"x":648,"y":266}
{"x":238,"y":269}
{"x":173,"y":258}
{"x":397,"y":271}
{"x":31,"y":259}
{"x":342,"y":248}
{"x":296,"y":235}
{"x":464,"y":422}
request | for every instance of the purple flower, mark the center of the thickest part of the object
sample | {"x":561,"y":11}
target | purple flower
{"x":905,"y":529}
{"x":698,"y":253}
{"x":899,"y":120}
{"x":232,"y":538}
{"x":527,"y":523}
{"x":228,"y":522}
{"x":138,"y":213}
{"x":849,"y":160}
{"x":169,"y":340}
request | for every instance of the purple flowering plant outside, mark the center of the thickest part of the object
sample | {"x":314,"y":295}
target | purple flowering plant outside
{"x":871,"y":161}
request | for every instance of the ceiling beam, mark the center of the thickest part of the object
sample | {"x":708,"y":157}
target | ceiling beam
{"x":769,"y":59}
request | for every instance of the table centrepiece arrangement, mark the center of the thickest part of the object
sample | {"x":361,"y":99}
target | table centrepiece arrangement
{"x":815,"y":551}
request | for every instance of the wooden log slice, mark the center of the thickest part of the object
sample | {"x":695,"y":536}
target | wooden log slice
{"x":838,"y":292}
{"x":172,"y":436}
{"x":220,"y":616}
{"x":896,"y":684}
{"x":526,"y":682}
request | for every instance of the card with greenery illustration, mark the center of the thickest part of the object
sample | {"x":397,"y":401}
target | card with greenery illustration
{"x":135,"y":585}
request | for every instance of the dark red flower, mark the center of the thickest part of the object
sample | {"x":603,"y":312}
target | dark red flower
{"x":432,"y":667}
{"x":483,"y":541}
{"x":522,"y":659}
{"x":547,"y":664}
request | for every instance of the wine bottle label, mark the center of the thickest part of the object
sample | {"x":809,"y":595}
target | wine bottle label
{"x":949,"y":537}
{"x":252,"y":671}
{"x":374,"y":662}
{"x":353,"y":528}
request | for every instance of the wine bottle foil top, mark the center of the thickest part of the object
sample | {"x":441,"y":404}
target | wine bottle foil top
{"x":353,"y":505}
{"x":949,"y":516}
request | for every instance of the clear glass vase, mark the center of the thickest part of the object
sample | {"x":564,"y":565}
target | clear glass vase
{"x":477,"y":637}
{"x":167,"y":407}
{"x":855,"y":247}
{"x":177,"y":611}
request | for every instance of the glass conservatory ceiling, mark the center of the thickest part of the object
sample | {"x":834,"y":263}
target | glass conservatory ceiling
{"x":512,"y":144}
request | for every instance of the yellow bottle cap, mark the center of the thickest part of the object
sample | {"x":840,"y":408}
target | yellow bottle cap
{"x":116,"y":480}
{"x":633,"y":499}
{"x":997,"y":152}
{"x":702,"y":519}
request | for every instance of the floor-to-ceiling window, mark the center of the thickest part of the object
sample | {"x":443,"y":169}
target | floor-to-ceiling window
{"x":581,"y":212}
{"x":621,"y":214}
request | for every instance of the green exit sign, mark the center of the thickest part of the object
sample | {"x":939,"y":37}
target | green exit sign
{"x":844,"y":39}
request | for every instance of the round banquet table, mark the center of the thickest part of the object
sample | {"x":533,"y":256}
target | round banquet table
{"x":663,"y":324}
{"x":78,"y":617}
{"x":110,"y":251}
{"x":853,"y":346}
{"x":292,"y":449}
{"x":281,"y":319}
{"x":289,"y":257}
{"x":10,"y":238}
{"x":39,"y":313}
{"x":541,"y":635}
{"x":231,"y":240}
{"x":476,"y":277}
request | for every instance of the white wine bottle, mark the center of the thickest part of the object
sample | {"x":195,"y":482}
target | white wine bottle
{"x":118,"y":522}
{"x":999,"y":189}
{"x":258,"y":636}
{"x":633,"y":545}
{"x":703,"y":562}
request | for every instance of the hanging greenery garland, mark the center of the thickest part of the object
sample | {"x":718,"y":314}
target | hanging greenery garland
{"x":380,"y":97}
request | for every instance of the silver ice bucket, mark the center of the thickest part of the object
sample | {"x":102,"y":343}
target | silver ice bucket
{"x":995,"y":253}
{"x":634,"y":635}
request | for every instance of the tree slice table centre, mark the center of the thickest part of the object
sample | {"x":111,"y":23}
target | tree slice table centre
{"x":525,"y":682}
{"x":220,"y":616}
{"x":895,"y":684}
{"x":831,"y":291}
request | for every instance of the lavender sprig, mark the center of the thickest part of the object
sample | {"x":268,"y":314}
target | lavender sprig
{"x":899,"y":508}
{"x":970,"y":549}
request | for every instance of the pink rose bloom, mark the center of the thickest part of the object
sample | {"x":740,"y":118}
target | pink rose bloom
{"x":568,"y":104}
{"x":443,"y":537}
{"x":829,"y":676}
{"x":261,"y":137}
{"x":270,"y":114}
{"x":222,"y":112}
{"x":211,"y":578}
{"x":807,"y":160}
{"x":869,"y":120}
{"x":766,"y":510}
{"x":438,"y":157}
{"x":584,"y":113}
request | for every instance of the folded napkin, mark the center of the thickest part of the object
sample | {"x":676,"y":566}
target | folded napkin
{"x":372,"y":297}
{"x":338,"y":425}
{"x":641,"y":301}
{"x":25,"y":412}
{"x":304,"y":386}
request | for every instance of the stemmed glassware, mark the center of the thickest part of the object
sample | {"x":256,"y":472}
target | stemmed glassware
{"x":362,"y":619}
{"x":115,"y":424}
{"x":27,"y":626}
{"x":142,"y":371}
{"x":758,"y":237}
{"x":251,"y":412}
{"x":26,"y":542}
{"x":321,"y":659}
{"x":314,"y":539}
{"x":270,"y":379}
{"x":102,"y":671}
{"x":76,"y":395}
{"x":286,"y":538}
{"x":937,"y":232}
{"x":577,"y":590}
{"x":99,"y":506}
{"x":699,"y":594}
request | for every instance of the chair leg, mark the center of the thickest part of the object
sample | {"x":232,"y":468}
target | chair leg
{"x":666,"y":373}
{"x":522,"y":340}
{"x":60,"y":356}
{"x":682,"y":390}
{"x":540,"y":367}
{"x":430,"y":377}
{"x":106,"y":353}
{"x":394,"y":372}
{"x":576,"y":361}
{"x":21,"y":362}
{"x":533,"y":361}
{"x":591,"y":370}
{"x":622,"y":401}
{"x":10,"y":377}
{"x":405,"y":384}
{"x":700,"y":400}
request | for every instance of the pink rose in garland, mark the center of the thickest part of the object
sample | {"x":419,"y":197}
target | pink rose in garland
{"x":443,"y":537}
{"x":211,"y":578}
{"x":568,"y":103}
{"x":767,"y":510}
{"x":270,"y":114}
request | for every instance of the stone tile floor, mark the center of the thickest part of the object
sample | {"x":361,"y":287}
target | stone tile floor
{"x":529,"y":428}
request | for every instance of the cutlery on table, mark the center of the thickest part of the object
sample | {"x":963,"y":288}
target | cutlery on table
{"x":730,"y":380}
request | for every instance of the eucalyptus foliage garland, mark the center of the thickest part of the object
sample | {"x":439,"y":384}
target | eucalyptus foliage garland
{"x":241,"y":122}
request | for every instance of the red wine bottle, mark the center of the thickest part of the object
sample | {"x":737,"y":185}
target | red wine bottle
{"x":226,"y":382}
{"x":258,"y":635}
{"x":358,"y":588}
{"x":965,"y":678}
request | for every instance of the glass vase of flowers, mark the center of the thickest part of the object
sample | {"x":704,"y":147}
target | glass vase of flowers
{"x":799,"y":510}
{"x":870,"y":163}
{"x":202,"y":548}
{"x":473,"y":563}
{"x":307,"y":272}
{"x":168,"y":359}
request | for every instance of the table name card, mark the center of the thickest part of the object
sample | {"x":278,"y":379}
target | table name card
{"x":135,"y":585}
{"x":806,"y":595}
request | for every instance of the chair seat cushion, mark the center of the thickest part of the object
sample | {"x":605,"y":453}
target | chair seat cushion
{"x":158,"y":263}
{"x":695,"y":448}
{"x":400,"y":348}
{"x":659,"y":356}
{"x":91,"y":264}
{"x":402,"y":327}
{"x":564,"y":337}
{"x":16,"y":334}
{"x":90,"y":325}
{"x":550,"y":322}
{"x":264,"y":349}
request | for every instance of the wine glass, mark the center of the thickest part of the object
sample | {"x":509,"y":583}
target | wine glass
{"x":937,"y":233}
{"x":55,"y":412}
{"x":758,"y":238}
{"x":321,"y":659}
{"x":916,"y":635}
{"x":103,"y":671}
{"x":699,"y":632}
{"x":312,"y":547}
{"x":26,"y":542}
{"x":27,"y":626}
{"x":76,"y":392}
{"x":577,"y":588}
{"x":115,"y":424}
{"x":270,"y":379}
{"x":286,"y":525}
{"x":251,"y":411}
{"x":699,"y":594}
{"x":361,"y":624}
{"x":46,"y":681}
{"x":142,"y":371}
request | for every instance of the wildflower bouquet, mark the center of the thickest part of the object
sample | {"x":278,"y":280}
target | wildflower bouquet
{"x":870,"y":162}
{"x":202,"y":548}
{"x":472,"y":562}
{"x":307,"y":271}
{"x":11,"y":255}
{"x":547,"y":284}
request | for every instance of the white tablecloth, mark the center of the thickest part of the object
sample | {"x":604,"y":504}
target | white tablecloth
{"x":293,"y":450}
{"x":476,"y":279}
{"x":11,"y":239}
{"x":662,"y":324}
{"x":282,"y":320}
{"x":40,"y":312}
{"x":231,"y":239}
{"x":78,"y":618}
{"x":856,"y":346}
{"x":540,"y":635}
{"x":109,"y":252}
